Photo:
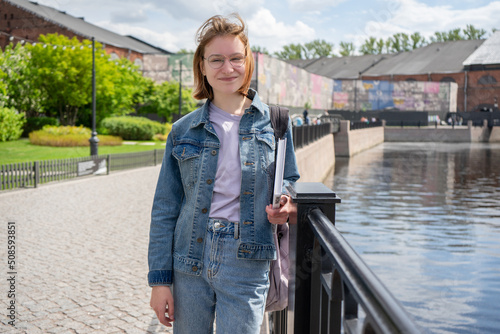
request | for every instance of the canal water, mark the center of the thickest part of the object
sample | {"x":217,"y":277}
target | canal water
{"x":426,"y":219}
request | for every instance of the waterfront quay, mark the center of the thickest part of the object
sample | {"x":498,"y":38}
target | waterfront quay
{"x":80,"y":256}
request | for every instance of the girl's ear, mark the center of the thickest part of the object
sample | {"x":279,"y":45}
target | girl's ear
{"x":202,"y":67}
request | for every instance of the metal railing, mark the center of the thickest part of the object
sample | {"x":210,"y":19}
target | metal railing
{"x":329,"y":282}
{"x":356,"y":125}
{"x":306,"y":134}
{"x":31,"y":174}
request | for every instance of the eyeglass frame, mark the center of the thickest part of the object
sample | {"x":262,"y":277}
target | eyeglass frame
{"x":224,"y":60}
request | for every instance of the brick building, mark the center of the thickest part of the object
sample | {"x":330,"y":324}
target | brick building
{"x":473,"y":64}
{"x":26,"y":20}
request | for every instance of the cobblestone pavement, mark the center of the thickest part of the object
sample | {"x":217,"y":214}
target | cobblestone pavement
{"x":81,"y":255}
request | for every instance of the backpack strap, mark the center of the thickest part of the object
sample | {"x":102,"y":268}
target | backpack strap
{"x":279,"y":120}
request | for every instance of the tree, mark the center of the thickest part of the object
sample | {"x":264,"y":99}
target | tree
{"x":259,"y":49}
{"x":62,"y":69}
{"x":471,"y":32}
{"x":417,"y":40}
{"x":292,"y":51}
{"x":318,"y":48}
{"x":400,"y":42}
{"x":19,"y":91}
{"x":369,"y":47}
{"x":346,"y":49}
{"x":164,"y":100}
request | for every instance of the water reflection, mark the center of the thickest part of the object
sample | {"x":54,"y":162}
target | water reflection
{"x":426,"y":219}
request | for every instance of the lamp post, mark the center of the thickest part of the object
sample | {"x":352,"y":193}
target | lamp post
{"x":93,"y":140}
{"x":180,"y":88}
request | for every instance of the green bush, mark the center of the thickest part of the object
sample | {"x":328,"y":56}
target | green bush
{"x":11,"y":124}
{"x":69,"y":136}
{"x":133,"y":128}
{"x":37,"y":123}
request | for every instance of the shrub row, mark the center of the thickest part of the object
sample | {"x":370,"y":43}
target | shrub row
{"x":133,"y":128}
{"x":69,"y":136}
{"x":11,"y":124}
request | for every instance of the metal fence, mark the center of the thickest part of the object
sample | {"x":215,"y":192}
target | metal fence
{"x":306,"y":134}
{"x":356,"y":125}
{"x":329,"y":283}
{"x":31,"y":174}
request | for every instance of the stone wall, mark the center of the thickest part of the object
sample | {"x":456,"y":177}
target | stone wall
{"x":315,"y":161}
{"x":349,"y":143}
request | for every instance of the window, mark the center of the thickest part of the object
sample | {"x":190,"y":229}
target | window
{"x":447,"y":79}
{"x":486,"y":80}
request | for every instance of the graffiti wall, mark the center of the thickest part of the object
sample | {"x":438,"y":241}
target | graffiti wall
{"x":281,"y":83}
{"x":402,"y":95}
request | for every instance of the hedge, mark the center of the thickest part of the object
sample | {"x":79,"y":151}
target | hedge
{"x":133,"y":128}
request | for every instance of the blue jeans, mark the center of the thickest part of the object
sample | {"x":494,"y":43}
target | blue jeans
{"x":231,"y":290}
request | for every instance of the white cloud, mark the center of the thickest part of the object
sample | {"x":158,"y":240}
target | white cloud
{"x":266,"y":32}
{"x":409,"y":16}
{"x":312,"y":5}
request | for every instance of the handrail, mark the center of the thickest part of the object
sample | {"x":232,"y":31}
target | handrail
{"x":384,"y":313}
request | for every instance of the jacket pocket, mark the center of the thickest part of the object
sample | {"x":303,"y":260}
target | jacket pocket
{"x":188,"y":157}
{"x":266,"y":144}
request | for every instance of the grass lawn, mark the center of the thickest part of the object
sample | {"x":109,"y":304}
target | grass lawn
{"x":23,"y":151}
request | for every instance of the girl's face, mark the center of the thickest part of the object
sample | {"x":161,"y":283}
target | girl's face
{"x":224,"y":64}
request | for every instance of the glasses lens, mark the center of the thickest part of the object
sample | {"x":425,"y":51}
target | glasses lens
{"x":237,"y":60}
{"x":215,"y":61}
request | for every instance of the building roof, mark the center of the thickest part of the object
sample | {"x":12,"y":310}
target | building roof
{"x":440,"y":57}
{"x":85,"y":29}
{"x":487,"y":54}
{"x":340,"y":67}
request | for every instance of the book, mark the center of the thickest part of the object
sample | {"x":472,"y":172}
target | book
{"x":278,"y":174}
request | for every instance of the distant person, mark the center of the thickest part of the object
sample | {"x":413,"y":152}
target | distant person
{"x":211,"y":237}
{"x":306,"y":118}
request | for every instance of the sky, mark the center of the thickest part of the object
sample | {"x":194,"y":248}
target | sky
{"x":172,"y":24}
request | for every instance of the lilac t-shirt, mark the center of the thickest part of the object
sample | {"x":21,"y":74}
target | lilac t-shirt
{"x":227,"y":187}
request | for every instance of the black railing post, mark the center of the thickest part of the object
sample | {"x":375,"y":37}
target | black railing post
{"x":307,"y":196}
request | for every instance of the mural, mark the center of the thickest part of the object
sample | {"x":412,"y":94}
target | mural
{"x":281,"y":83}
{"x":401,"y":95}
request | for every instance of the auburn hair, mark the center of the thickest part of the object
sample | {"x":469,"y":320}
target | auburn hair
{"x":220,"y":26}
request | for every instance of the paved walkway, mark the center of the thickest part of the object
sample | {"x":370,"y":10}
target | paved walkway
{"x":81,"y":255}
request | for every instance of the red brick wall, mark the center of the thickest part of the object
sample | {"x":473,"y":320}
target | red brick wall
{"x":23,"y":24}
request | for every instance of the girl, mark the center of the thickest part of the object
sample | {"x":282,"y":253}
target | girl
{"x":211,"y":238}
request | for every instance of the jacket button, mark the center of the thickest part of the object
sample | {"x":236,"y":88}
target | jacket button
{"x":214,"y":152}
{"x":209,"y":181}
{"x":195,"y":268}
{"x":199,"y":240}
{"x":204,"y":210}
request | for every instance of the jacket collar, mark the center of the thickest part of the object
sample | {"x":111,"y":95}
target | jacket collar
{"x":202,"y":116}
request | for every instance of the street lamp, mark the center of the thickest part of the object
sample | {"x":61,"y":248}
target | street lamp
{"x":93,"y":140}
{"x":180,"y":88}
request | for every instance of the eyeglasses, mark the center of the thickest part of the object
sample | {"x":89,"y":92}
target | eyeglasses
{"x":217,"y":61}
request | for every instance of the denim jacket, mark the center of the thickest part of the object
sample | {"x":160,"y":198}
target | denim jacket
{"x":184,"y":191}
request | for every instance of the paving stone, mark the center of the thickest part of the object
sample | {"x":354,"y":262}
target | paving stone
{"x":82,"y":252}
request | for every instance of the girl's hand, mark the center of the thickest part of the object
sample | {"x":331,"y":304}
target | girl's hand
{"x":162,"y":303}
{"x":281,"y":214}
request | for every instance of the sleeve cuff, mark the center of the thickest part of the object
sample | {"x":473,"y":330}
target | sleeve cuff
{"x":160,"y":277}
